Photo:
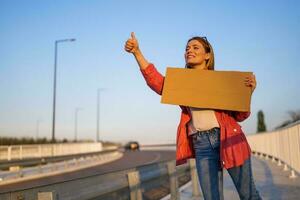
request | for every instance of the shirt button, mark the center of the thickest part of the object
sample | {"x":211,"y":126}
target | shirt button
{"x":234,"y":130}
{"x":223,"y":162}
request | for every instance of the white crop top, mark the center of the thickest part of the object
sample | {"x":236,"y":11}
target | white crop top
{"x":202,"y":120}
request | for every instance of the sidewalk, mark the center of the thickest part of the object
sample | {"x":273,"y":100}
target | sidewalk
{"x":271,"y":181}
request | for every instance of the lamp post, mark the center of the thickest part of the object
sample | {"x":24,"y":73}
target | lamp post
{"x":76,"y":119}
{"x":54,"y":87}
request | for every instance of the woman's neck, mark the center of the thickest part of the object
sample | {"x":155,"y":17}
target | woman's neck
{"x":201,"y":66}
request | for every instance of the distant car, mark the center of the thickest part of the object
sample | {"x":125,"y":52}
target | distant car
{"x":132,"y":145}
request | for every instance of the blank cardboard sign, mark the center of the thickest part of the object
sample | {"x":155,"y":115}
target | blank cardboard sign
{"x":223,"y":90}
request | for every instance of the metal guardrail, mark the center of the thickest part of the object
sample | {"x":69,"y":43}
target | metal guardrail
{"x":29,"y":173}
{"x":133,"y":184}
{"x":43,"y":160}
{"x":282,"y":146}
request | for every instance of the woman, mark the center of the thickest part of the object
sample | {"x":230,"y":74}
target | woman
{"x":212,"y":137}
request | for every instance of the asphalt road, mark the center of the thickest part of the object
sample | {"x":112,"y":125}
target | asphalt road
{"x":129,"y":160}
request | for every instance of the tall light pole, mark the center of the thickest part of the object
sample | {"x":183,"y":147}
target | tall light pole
{"x":54,"y":87}
{"x":98,"y":114}
{"x":76,"y":117}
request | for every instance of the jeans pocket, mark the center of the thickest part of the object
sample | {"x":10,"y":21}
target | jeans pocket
{"x":214,"y":139}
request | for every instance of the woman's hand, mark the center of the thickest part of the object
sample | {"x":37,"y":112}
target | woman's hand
{"x":132,"y":45}
{"x":250,"y":81}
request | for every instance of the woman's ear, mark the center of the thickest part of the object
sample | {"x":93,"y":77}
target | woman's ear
{"x":207,"y":56}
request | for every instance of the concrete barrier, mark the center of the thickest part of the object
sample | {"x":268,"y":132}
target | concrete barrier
{"x":282,"y":146}
{"x":19,"y":152}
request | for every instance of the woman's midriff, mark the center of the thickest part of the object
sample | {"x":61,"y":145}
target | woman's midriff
{"x":202,"y":120}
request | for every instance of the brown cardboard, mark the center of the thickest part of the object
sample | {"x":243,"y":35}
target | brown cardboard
{"x":223,"y":90}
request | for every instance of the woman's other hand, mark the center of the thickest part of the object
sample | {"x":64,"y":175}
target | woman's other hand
{"x":250,"y":81}
{"x":132,"y":45}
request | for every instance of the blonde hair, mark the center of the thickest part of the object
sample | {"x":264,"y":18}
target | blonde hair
{"x":210,"y":63}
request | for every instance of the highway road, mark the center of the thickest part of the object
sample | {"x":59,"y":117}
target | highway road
{"x":130,"y":159}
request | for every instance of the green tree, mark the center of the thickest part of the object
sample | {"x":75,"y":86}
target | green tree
{"x":294,"y":116}
{"x":261,"y":126}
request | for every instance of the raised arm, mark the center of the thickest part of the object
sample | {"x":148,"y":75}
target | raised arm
{"x":153,"y":78}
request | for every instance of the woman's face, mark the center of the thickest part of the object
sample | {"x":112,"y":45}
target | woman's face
{"x":195,"y":55}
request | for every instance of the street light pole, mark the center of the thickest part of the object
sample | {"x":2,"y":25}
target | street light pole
{"x":54,"y":86}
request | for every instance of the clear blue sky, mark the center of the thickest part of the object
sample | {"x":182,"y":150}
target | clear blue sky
{"x":257,"y":36}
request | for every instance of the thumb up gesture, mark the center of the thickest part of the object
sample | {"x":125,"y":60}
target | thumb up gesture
{"x":131,"y":45}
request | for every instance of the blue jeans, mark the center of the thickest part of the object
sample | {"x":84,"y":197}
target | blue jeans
{"x":210,"y":173}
